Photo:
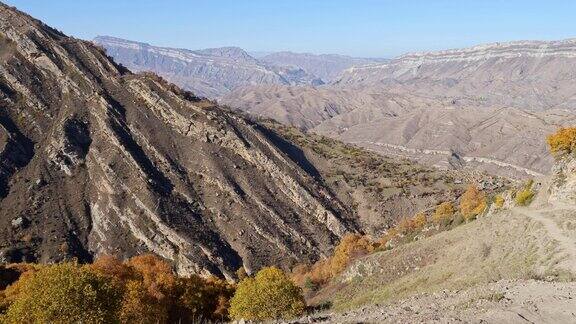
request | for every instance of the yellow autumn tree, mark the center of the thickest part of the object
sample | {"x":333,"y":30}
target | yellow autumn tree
{"x":472,"y":202}
{"x":13,"y":277}
{"x":269,"y":295}
{"x":563,"y":141}
{"x":443,"y":213}
{"x":65,"y":293}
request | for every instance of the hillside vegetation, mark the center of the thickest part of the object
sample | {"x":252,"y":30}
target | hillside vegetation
{"x":381,"y":190}
{"x":563,"y":141}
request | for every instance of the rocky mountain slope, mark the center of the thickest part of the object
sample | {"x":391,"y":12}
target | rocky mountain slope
{"x":380,"y":190}
{"x":209,"y":72}
{"x":97,"y":160}
{"x":328,"y":67}
{"x":504,"y":140}
{"x":424,"y":106}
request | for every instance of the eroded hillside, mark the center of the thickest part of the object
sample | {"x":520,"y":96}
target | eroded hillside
{"x":381,"y":190}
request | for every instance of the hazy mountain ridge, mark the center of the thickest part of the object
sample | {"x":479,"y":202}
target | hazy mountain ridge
{"x":524,"y":75}
{"x":328,"y":67}
{"x":515,"y":49}
{"x":208,"y":72}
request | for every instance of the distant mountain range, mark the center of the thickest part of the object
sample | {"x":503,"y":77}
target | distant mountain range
{"x":490,"y":105}
{"x":217,"y":71}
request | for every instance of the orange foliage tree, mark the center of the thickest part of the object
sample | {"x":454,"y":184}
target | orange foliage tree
{"x":350,"y":247}
{"x":143,"y":289}
{"x":472,"y":202}
{"x":408,"y":225}
{"x":563,"y":141}
{"x":153,"y":294}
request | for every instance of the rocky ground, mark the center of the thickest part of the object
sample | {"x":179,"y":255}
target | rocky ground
{"x":506,"y":301}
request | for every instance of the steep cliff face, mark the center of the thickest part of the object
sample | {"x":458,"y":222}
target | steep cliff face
{"x":96,"y":160}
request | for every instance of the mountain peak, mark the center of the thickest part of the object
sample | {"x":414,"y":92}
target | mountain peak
{"x":210,"y":72}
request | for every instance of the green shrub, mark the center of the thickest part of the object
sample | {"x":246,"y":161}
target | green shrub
{"x":269,"y":295}
{"x":499,"y":201}
{"x":524,"y":197}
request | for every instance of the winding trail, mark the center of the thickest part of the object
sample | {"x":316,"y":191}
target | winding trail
{"x":567,"y":244}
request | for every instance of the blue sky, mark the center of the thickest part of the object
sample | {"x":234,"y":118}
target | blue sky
{"x":367,"y":28}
